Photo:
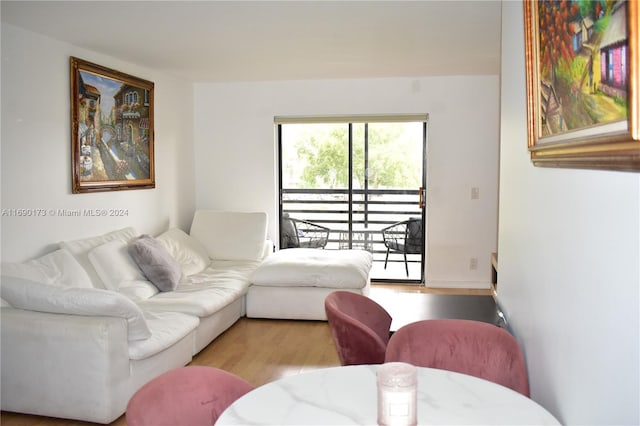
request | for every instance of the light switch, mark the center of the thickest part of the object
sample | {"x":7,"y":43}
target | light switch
{"x":475,"y":193}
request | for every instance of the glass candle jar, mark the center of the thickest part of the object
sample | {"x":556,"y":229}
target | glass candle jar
{"x":397,"y":398}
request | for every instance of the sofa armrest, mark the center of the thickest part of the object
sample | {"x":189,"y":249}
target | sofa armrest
{"x":68,"y":366}
{"x":268,"y":249}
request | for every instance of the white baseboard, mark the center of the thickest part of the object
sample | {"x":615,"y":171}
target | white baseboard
{"x":458,"y":284}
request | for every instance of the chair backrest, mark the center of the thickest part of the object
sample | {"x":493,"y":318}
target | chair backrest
{"x":192,"y":395}
{"x":471,"y":347}
{"x":413,"y":243}
{"x":359,"y":326}
{"x":289,"y":233}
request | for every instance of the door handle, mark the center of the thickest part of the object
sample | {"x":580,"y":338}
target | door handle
{"x":421,"y":195}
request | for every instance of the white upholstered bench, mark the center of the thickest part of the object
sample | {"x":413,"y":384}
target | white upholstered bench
{"x":293,"y":283}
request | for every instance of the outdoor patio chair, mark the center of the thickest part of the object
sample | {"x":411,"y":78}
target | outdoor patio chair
{"x":298,"y":233}
{"x":404,"y":237}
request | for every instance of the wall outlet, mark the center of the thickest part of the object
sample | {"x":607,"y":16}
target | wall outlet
{"x":475,"y":193}
{"x":473,"y":263}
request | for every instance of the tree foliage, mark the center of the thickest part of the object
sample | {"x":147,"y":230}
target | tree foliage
{"x":394,"y":157}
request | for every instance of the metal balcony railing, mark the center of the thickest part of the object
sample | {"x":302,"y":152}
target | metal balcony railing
{"x":354,"y":218}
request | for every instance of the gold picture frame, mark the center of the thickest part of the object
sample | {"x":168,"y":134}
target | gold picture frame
{"x":582,"y":84}
{"x":112,"y":138}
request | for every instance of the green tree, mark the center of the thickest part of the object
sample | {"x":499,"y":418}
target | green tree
{"x":394,"y":156}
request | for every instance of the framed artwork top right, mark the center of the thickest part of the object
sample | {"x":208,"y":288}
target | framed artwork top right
{"x":582,"y":83}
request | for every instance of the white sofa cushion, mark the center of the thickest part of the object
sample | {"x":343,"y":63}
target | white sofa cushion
{"x":207,"y":292}
{"x":230,"y":235}
{"x":119,"y":272}
{"x":300,"y":267}
{"x":58,"y":268}
{"x":113,"y":264}
{"x":33,"y":296}
{"x":167,"y":328}
{"x":81,"y":248}
{"x":185,"y":249}
{"x":138,"y":290}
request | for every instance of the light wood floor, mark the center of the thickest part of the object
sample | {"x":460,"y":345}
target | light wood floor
{"x":261,"y":351}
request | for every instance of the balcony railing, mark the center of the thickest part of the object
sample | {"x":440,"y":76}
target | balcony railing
{"x":355,"y":219}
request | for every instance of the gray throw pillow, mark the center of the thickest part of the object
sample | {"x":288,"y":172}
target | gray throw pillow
{"x":155,"y":262}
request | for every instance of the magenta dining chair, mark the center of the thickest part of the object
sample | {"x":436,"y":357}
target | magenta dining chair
{"x":186,"y":396}
{"x":359,"y":327}
{"x":470,"y":347}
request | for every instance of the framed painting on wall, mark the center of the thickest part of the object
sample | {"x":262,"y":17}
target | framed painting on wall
{"x":111,"y":129}
{"x":582,"y":83}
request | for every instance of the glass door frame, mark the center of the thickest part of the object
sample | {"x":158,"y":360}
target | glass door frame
{"x":350,"y":202}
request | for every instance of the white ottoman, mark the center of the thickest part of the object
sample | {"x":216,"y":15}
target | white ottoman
{"x":293,"y":283}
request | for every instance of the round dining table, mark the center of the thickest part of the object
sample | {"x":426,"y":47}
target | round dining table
{"x":348,"y":396}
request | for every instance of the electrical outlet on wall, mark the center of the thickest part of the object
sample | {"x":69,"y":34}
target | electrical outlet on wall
{"x":473,"y":263}
{"x":475,"y":193}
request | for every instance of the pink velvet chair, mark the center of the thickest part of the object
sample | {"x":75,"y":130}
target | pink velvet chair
{"x":359,"y":326}
{"x":186,"y":396}
{"x":471,"y":347}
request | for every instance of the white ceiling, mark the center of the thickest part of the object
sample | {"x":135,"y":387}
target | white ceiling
{"x":277,"y":40}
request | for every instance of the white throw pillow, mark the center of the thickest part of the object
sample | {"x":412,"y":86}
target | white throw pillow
{"x":138,"y":290}
{"x":119,"y":272}
{"x":58,"y":268}
{"x":33,"y":296}
{"x":114,"y":265}
{"x":80,"y":249}
{"x":188,"y":251}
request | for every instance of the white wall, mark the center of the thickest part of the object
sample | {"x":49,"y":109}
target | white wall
{"x":36,"y":150}
{"x":236,"y":153}
{"x":569,"y":274}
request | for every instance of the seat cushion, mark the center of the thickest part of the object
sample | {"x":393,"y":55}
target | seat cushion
{"x":167,"y":328}
{"x":315,"y":268}
{"x":205,"y":293}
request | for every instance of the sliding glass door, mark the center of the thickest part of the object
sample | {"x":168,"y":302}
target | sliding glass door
{"x":356,"y":178}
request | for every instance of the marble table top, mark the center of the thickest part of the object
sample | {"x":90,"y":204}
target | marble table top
{"x":348,"y":396}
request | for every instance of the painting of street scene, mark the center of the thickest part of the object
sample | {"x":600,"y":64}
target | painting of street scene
{"x":583,"y":64}
{"x":114,"y":129}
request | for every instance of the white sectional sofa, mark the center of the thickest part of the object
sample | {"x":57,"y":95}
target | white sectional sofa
{"x":296,"y":282}
{"x":83,"y":328}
